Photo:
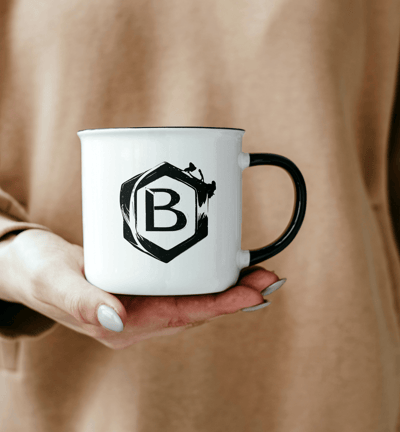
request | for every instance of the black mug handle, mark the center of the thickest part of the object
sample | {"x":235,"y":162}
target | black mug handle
{"x":299,"y":209}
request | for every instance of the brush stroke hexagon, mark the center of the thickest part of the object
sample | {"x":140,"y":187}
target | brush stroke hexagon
{"x":165,"y":231}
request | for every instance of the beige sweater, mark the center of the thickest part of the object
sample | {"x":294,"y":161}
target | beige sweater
{"x":312,"y":80}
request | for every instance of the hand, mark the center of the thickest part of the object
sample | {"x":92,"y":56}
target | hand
{"x":44,"y":272}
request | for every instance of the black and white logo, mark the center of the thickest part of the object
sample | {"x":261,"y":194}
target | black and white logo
{"x":165,"y":210}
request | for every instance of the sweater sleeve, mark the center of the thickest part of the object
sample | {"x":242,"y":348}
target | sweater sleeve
{"x":17,"y":320}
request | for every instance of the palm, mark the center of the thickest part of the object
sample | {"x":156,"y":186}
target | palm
{"x":159,"y":315}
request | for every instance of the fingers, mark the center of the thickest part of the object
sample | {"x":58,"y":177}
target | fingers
{"x":247,"y":291}
{"x":257,"y":278}
{"x":155,"y":312}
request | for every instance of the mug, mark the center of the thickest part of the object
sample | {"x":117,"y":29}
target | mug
{"x":162,"y":209}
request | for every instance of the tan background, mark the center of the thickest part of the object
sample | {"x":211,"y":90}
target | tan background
{"x":313,"y":80}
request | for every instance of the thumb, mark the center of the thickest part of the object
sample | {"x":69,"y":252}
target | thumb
{"x":89,"y":304}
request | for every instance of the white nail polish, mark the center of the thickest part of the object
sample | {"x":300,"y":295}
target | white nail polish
{"x":270,"y":289}
{"x":256,"y":307}
{"x":109,"y":318}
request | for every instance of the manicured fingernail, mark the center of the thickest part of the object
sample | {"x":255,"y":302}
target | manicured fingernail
{"x":256,"y":307}
{"x":109,"y":318}
{"x":270,"y":289}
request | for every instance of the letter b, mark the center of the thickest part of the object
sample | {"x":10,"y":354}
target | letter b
{"x":150,"y":208}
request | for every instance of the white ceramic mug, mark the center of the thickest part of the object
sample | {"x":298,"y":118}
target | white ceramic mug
{"x":162,"y":209}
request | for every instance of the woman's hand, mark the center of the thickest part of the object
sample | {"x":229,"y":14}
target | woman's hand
{"x":44,"y":272}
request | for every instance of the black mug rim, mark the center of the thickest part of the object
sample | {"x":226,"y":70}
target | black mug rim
{"x":162,"y":127}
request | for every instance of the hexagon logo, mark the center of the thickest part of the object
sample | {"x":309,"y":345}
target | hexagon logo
{"x":164,"y":210}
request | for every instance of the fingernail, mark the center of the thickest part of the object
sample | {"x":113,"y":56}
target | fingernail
{"x":109,"y":318}
{"x":256,"y":307}
{"x":270,"y":289}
